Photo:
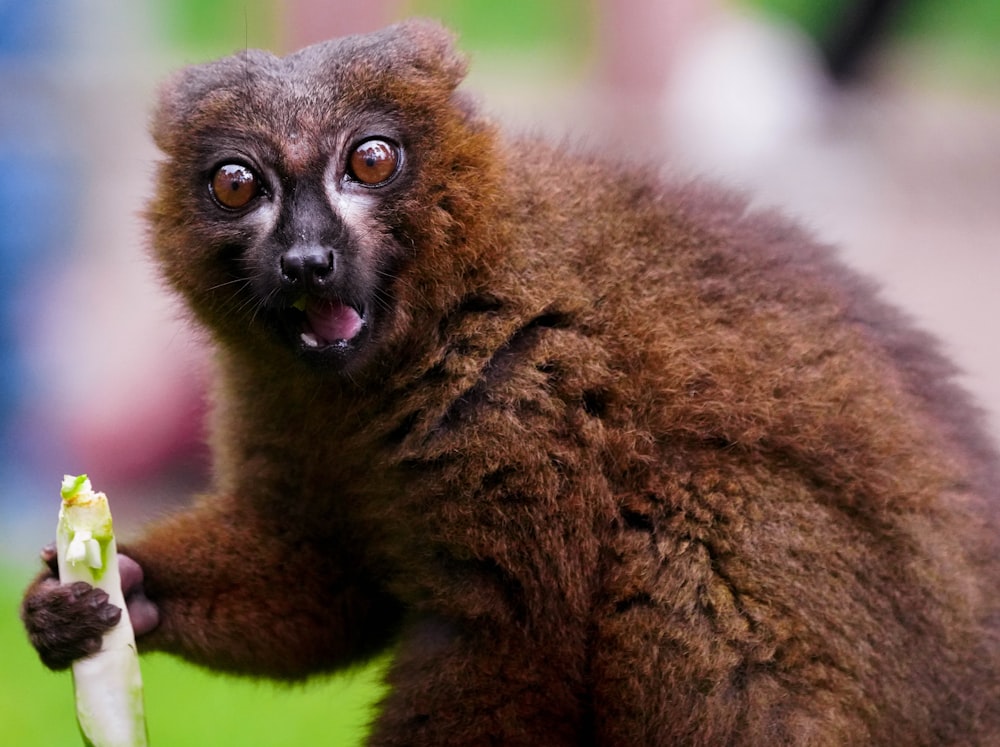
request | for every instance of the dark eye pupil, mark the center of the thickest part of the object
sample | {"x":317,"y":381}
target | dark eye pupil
{"x":374,"y":162}
{"x":234,"y":185}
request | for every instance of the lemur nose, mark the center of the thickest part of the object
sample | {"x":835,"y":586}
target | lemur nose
{"x":307,"y":267}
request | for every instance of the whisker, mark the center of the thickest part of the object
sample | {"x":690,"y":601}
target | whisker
{"x":234,"y":281}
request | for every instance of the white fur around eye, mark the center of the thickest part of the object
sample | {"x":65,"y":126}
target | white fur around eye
{"x":264,"y":217}
{"x":354,"y":205}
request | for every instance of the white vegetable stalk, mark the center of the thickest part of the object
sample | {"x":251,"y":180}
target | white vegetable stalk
{"x":108,"y":685}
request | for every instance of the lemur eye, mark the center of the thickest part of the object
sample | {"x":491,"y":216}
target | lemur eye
{"x":373,"y":162}
{"x":234,"y":186}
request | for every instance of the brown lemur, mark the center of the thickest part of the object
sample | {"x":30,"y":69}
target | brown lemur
{"x":603,"y":459}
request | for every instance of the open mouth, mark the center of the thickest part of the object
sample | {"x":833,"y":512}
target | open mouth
{"x":325,"y":323}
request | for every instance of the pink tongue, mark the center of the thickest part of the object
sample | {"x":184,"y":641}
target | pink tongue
{"x":333,"y":321}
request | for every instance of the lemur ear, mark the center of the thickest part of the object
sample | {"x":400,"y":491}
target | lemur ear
{"x":418,"y":51}
{"x":428,"y":47}
{"x":174,"y":102}
{"x":201,"y":91}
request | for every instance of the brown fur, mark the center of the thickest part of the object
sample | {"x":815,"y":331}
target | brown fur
{"x":622,"y":462}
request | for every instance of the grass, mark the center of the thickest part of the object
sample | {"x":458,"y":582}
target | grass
{"x":185,"y":706}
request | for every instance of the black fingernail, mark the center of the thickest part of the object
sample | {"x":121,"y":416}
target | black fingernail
{"x":79,"y":588}
{"x":111,"y":614}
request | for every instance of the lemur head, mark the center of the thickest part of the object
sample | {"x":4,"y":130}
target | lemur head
{"x":295,"y":192}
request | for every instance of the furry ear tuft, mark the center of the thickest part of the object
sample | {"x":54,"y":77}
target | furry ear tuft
{"x":196,"y":89}
{"x":433,"y":49}
{"x":172,"y":107}
{"x":412,"y":60}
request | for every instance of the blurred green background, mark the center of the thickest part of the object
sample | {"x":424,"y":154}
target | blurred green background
{"x":187,"y":707}
{"x":184,"y":706}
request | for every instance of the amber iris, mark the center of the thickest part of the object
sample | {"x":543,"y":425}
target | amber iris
{"x":234,"y":186}
{"x":374,"y":162}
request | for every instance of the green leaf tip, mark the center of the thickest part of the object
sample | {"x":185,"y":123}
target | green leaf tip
{"x":71,"y":485}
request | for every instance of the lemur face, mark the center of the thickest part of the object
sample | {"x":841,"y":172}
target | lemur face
{"x":309,"y":241}
{"x":285,"y":207}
